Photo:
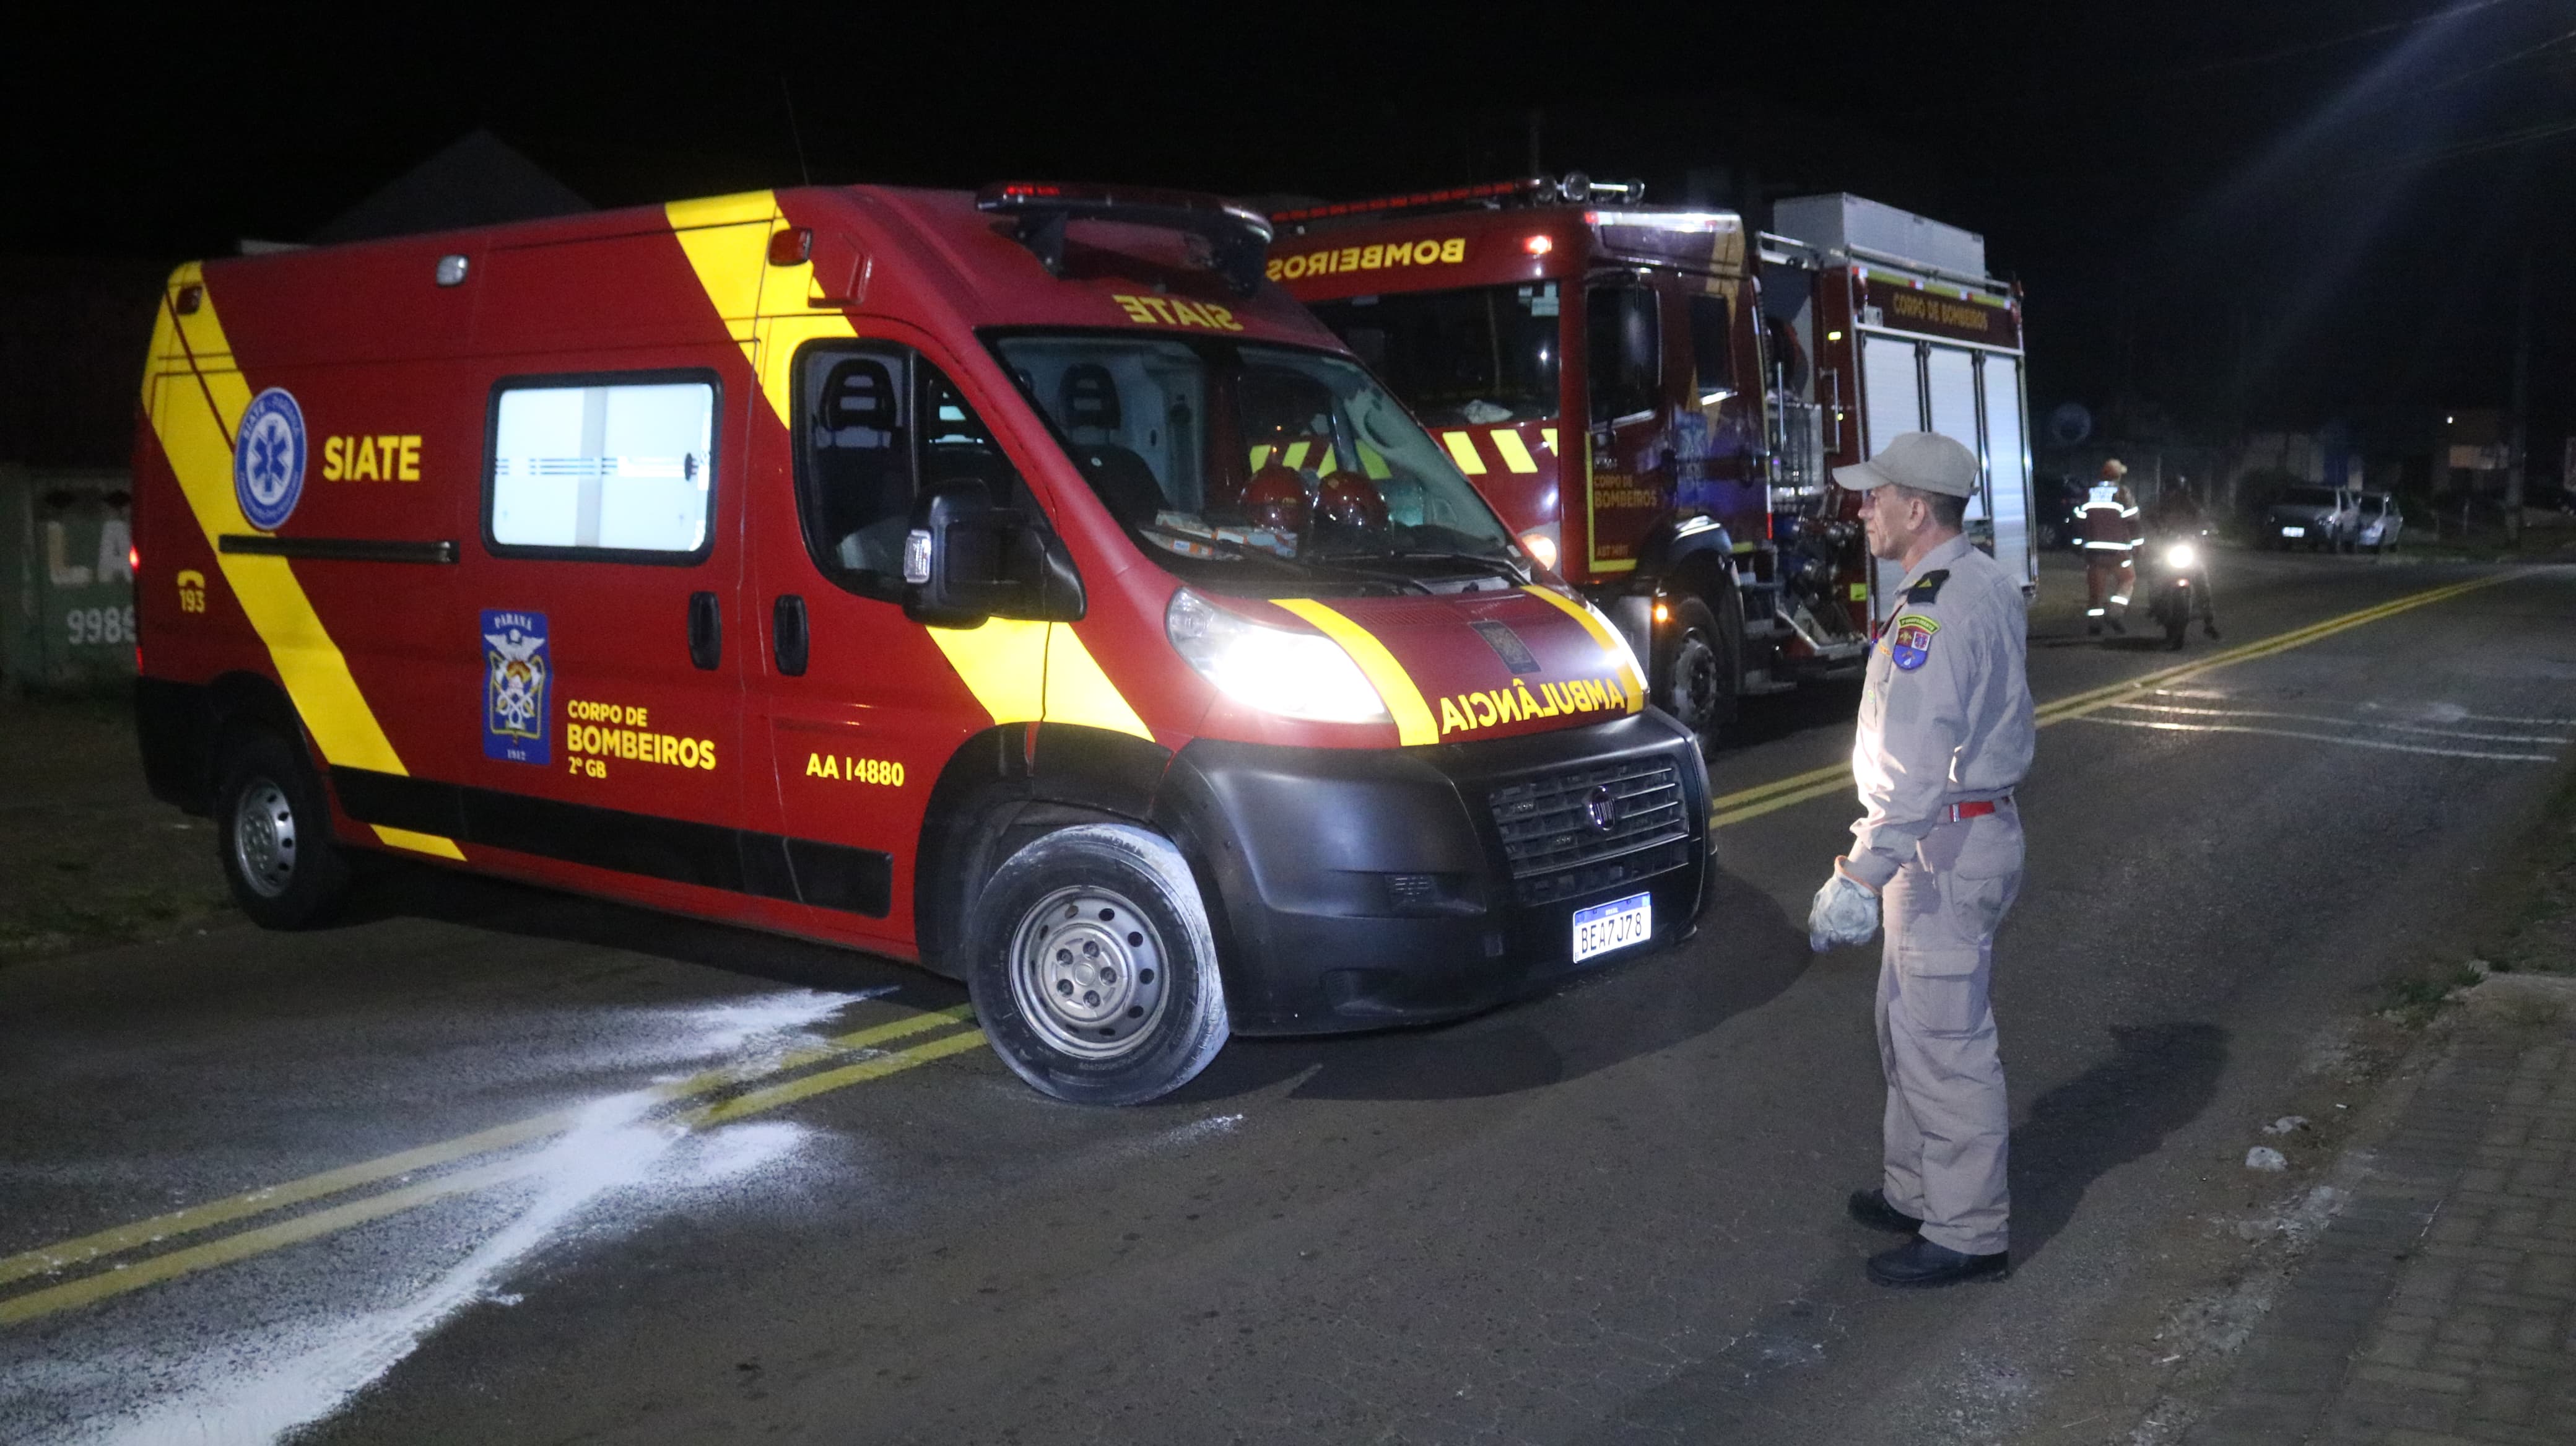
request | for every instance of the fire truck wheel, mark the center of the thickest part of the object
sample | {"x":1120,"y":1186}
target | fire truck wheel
{"x":1093,"y":969}
{"x":1692,"y":679}
{"x":273,"y":830}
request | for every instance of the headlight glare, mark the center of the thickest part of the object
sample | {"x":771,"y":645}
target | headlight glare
{"x":2181,"y":554}
{"x":1295,"y":675}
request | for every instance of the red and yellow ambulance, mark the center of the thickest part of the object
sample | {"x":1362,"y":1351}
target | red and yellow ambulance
{"x":1011,"y":581}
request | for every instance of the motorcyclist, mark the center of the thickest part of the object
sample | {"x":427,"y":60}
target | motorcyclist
{"x":2177,"y":518}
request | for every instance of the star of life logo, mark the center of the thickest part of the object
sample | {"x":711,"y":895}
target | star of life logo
{"x":268,"y":459}
{"x":516,"y":672}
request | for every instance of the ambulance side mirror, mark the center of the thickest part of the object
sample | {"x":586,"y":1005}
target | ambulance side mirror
{"x":968,"y":560}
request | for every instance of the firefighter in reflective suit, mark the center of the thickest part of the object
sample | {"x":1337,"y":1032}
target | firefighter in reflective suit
{"x":1945,"y":736}
{"x":2112,"y":536}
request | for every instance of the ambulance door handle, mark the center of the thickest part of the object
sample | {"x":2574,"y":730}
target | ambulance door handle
{"x":706,"y":630}
{"x":788,"y":635}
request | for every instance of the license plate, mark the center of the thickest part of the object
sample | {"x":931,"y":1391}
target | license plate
{"x":2294,"y":532}
{"x":1614,"y":925}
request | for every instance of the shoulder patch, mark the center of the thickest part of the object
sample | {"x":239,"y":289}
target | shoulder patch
{"x":1909,"y":641}
{"x":1927,"y":588}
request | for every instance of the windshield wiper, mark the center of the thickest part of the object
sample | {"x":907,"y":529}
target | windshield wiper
{"x":1488,"y":565}
{"x":1351,"y":569}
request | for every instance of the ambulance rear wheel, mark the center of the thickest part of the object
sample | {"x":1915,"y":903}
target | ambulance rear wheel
{"x":1093,"y":969}
{"x":273,"y":831}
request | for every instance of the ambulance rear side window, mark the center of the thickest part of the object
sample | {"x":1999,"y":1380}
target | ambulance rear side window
{"x":605,"y":468}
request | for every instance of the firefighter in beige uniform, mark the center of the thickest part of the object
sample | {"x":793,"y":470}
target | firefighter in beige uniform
{"x":1945,"y":735}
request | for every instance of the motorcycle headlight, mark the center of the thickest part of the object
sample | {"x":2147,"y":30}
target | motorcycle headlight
{"x":2181,"y":554}
{"x":1295,"y":675}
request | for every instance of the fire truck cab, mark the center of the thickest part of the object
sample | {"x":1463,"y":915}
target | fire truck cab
{"x":1014,"y":581}
{"x":1654,"y":400}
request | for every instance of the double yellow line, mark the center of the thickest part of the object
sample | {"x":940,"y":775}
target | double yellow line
{"x":719,"y":1095}
{"x":1780,"y":793}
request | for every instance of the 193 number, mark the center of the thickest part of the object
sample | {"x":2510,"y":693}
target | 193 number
{"x":87,"y":626}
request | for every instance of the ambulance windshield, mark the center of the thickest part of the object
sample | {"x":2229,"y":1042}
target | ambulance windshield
{"x":1469,"y":357}
{"x":1229,"y":460}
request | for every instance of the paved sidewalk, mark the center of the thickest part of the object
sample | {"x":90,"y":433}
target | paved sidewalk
{"x":2440,"y":1306}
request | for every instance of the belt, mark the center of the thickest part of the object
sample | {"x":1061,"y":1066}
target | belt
{"x":1958,"y":812}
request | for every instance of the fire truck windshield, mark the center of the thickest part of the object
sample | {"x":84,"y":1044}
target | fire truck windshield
{"x":1238,"y":463}
{"x":1468,"y":357}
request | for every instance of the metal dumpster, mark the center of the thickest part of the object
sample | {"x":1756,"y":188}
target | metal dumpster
{"x":66,"y":579}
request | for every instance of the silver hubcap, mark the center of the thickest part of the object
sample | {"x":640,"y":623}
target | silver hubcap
{"x":264,"y":838}
{"x":1088,"y":973}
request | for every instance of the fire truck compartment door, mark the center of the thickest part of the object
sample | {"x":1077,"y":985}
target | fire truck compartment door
{"x":2007,"y":465}
{"x":1891,"y":401}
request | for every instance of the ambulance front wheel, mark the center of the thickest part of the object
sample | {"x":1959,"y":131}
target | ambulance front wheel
{"x":273,"y":830}
{"x":1093,"y":968}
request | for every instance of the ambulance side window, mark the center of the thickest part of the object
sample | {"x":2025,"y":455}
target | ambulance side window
{"x":615,"y":468}
{"x":1623,"y":351}
{"x":880,"y":425}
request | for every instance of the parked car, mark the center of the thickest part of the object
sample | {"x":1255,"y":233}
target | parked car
{"x":2381,"y":520}
{"x":2319,"y":517}
{"x":2053,"y":513}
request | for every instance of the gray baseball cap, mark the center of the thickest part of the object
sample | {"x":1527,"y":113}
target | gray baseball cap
{"x":1924,"y":461}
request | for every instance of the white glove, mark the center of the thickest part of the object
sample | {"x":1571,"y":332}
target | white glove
{"x":1845,"y":912}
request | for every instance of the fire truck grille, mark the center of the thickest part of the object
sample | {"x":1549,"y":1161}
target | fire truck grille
{"x":1591,"y":828}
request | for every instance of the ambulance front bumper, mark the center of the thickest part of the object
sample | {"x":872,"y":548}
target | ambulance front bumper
{"x":1356,"y":889}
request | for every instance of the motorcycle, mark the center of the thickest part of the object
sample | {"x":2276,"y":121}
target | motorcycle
{"x":2181,"y":584}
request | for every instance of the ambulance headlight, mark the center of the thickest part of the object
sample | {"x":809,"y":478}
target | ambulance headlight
{"x":2181,"y":554}
{"x":1295,"y":675}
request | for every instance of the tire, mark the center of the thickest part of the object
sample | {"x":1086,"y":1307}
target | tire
{"x":2177,"y":622}
{"x":1694,"y":679}
{"x":273,"y":833}
{"x":1093,"y":969}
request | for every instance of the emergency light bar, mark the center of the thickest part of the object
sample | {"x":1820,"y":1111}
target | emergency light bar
{"x":1239,"y":238}
{"x":1535,"y":191}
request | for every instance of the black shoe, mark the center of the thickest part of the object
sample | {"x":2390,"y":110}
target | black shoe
{"x":2211,"y":629}
{"x":1870,"y":1208}
{"x":1919,"y":1263}
{"x":2093,"y":629}
{"x":2117,"y":626}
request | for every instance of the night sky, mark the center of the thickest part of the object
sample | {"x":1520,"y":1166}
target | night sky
{"x":2225,"y":215}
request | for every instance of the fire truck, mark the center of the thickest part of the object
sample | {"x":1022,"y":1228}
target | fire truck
{"x":1654,"y":398}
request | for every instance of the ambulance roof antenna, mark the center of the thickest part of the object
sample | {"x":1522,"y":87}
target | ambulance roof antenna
{"x":795,"y":136}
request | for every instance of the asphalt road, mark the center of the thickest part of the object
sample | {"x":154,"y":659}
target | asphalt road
{"x":1608,"y":1215}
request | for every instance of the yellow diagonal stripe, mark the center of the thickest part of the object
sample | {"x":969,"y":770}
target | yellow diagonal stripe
{"x":1019,"y":671}
{"x":1780,"y":793}
{"x":1633,"y":684}
{"x":195,"y":399}
{"x":1462,"y":450}
{"x":1515,"y":453}
{"x":1413,"y":721}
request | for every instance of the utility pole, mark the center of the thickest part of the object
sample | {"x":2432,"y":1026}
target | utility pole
{"x":2519,"y":436}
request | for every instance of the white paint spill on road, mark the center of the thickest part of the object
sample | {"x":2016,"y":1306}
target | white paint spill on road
{"x":615,"y":1168}
{"x":2456,"y":713}
{"x":735,"y":1024}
